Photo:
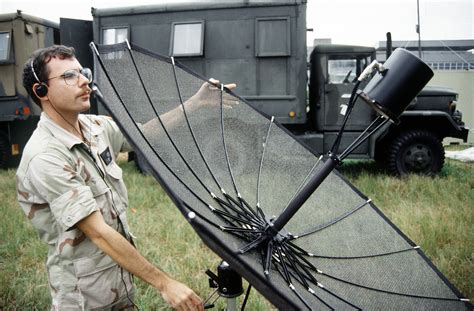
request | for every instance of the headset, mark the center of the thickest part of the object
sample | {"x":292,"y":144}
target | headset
{"x":40,"y":90}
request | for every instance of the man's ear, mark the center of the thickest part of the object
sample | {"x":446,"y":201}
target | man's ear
{"x":40,"y":89}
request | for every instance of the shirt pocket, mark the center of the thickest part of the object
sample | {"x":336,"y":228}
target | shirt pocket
{"x":98,"y":186}
{"x":114,"y":173}
{"x":97,"y":280}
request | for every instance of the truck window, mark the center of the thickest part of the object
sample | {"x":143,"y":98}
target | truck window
{"x":114,"y":35}
{"x":187,"y":39}
{"x":4,"y":46}
{"x":341,"y":70}
{"x":344,"y":70}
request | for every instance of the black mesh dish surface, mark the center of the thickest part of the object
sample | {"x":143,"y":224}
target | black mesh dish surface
{"x":230,"y":170}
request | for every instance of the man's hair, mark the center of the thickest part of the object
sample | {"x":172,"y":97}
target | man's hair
{"x":40,"y":59}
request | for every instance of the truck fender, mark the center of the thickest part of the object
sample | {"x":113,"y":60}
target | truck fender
{"x":378,"y":136}
{"x":430,"y":114}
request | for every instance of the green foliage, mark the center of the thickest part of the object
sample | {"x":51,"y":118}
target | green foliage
{"x":435,"y":212}
{"x":23,"y":280}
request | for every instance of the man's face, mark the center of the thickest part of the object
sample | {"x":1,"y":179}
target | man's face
{"x":67,"y":98}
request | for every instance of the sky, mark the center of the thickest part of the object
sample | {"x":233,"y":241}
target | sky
{"x":361,"y":22}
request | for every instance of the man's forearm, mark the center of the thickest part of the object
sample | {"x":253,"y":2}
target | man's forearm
{"x":122,"y":252}
{"x":207,"y":95}
{"x":176,"y":294}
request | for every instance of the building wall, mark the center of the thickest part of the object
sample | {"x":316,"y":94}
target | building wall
{"x":462,"y":81}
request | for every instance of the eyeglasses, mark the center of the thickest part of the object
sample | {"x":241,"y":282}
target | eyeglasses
{"x":71,"y":76}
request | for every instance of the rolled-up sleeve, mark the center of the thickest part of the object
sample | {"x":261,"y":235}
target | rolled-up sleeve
{"x":56,"y":180}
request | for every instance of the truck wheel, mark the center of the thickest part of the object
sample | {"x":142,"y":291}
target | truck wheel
{"x":4,"y":150}
{"x":416,"y":151}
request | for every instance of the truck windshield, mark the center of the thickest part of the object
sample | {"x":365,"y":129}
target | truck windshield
{"x":4,"y":45}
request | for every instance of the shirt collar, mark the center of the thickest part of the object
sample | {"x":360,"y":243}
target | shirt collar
{"x":89,"y":128}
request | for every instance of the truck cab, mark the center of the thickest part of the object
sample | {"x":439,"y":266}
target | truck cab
{"x":333,"y":71}
{"x":414,"y":145}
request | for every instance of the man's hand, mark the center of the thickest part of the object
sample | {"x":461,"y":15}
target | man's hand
{"x":180,"y":297}
{"x":209,"y":95}
{"x":230,"y":86}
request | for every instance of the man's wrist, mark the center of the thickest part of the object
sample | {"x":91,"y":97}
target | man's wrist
{"x":160,"y":279}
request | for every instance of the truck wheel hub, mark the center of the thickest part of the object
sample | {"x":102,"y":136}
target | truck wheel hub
{"x":417,"y":157}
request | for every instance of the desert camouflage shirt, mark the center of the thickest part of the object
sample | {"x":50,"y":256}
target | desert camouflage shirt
{"x":60,"y":181}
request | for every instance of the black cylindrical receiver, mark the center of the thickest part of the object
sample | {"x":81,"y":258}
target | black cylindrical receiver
{"x":390,"y":92}
{"x":230,"y":282}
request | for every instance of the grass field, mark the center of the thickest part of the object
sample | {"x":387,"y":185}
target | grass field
{"x":437,"y":213}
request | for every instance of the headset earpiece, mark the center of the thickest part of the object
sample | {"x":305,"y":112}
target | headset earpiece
{"x":41,"y":90}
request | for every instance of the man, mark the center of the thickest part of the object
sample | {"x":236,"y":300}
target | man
{"x":72,"y":190}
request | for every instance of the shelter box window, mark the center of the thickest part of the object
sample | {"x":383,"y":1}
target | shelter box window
{"x":114,"y":35}
{"x":272,"y":37}
{"x":5,"y":46}
{"x":187,"y":39}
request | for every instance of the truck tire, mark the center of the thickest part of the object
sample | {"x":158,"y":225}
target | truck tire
{"x":416,"y":151}
{"x":4,"y":150}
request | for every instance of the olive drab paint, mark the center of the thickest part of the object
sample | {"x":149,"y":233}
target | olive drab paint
{"x":22,"y":34}
{"x":261,"y":46}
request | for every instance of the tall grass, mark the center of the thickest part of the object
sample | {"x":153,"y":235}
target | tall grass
{"x":435,"y":212}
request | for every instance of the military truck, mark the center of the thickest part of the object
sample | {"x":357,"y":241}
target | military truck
{"x":414,"y":145}
{"x":261,"y":45}
{"x":20,"y":35}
